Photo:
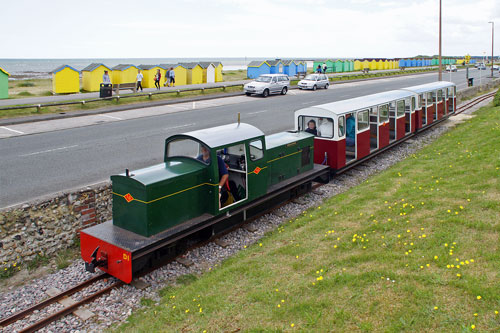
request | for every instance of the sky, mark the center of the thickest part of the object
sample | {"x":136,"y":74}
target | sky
{"x":245,"y":28}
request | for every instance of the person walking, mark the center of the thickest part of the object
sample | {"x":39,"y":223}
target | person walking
{"x":318,"y":69}
{"x":172,"y":76}
{"x":105,"y":78}
{"x":157,"y":79}
{"x":324,"y":68}
{"x":139,"y":79}
{"x":167,"y":78}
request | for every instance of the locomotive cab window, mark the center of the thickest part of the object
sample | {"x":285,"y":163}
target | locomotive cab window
{"x":188,"y":148}
{"x":341,"y":121}
{"x":256,"y":152}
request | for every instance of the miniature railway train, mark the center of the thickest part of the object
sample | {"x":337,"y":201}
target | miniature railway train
{"x":157,"y":209}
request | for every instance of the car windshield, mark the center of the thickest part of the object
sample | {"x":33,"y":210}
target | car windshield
{"x":264,"y":79}
{"x":311,"y":77}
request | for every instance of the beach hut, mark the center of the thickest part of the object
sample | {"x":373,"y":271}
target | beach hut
{"x":358,"y":65}
{"x":387,"y":64}
{"x":194,"y":72}
{"x":289,"y":67}
{"x":276,"y":66}
{"x":65,"y":80}
{"x":372,"y":64}
{"x":4,"y":83}
{"x":218,"y":71}
{"x":257,"y":68}
{"x":338,"y":66}
{"x":380,"y":63}
{"x":179,"y":71}
{"x":351,"y":66}
{"x":149,"y":72}
{"x":208,"y":72}
{"x":124,"y":73}
{"x":92,"y":76}
{"x":301,"y":66}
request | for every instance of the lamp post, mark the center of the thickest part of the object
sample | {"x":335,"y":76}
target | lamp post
{"x":440,"y":77}
{"x":492,"y":40}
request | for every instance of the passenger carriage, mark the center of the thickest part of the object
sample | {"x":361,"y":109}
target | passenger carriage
{"x":435,"y":101}
{"x":379,"y":120}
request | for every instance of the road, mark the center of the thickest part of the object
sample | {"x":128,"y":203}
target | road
{"x":77,"y":152}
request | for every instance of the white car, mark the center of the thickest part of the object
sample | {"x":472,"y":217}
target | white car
{"x":451,"y":68}
{"x":481,"y":66}
{"x":267,"y":84}
{"x":496,"y":67}
{"x":314,"y":81}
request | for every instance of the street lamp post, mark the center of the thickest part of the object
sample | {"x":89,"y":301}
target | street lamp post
{"x":492,"y":40}
{"x":440,"y":77}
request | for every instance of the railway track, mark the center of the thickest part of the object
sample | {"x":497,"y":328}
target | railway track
{"x":71,"y":308}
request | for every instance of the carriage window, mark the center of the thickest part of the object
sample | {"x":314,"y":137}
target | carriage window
{"x":407,"y":105}
{"x":450,"y":92}
{"x":363,"y":120}
{"x":420,"y":100}
{"x":188,"y":148}
{"x":256,"y":152}
{"x":319,"y":126}
{"x":341,"y":126}
{"x":384,"y":113}
{"x":401,"y":108}
{"x":413,"y":102}
{"x":429,"y":98}
{"x":440,"y":95}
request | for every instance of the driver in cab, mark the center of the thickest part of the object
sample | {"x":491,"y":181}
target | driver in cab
{"x":223,"y":173}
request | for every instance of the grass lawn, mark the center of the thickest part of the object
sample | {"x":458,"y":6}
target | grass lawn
{"x":413,"y":249}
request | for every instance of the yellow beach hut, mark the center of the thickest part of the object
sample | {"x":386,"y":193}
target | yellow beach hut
{"x":194,"y":73}
{"x":358,"y":65}
{"x":92,"y":76}
{"x":380,"y":64}
{"x":365,"y":64}
{"x":372,"y":64}
{"x":180,"y":73}
{"x":218,"y":71}
{"x":4,"y":83}
{"x":65,"y":80}
{"x":149,"y":72}
{"x":124,"y":73}
{"x":208,"y":71}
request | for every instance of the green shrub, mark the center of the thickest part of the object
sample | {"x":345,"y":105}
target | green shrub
{"x":26,"y":84}
{"x":496,"y":100}
{"x":25,"y":93}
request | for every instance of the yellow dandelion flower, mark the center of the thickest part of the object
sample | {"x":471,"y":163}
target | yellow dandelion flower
{"x":260,"y":244}
{"x":449,"y":211}
{"x":473,"y":327}
{"x":446,"y":244}
{"x":435,"y":308}
{"x":173,"y":307}
{"x":277,"y":290}
{"x":201,"y":310}
{"x":428,"y":265}
{"x":282,"y":301}
{"x":458,"y":275}
{"x":292,"y":325}
{"x":472,"y":260}
{"x":279,"y":305}
{"x":478,"y":297}
{"x":408,"y":230}
{"x":496,"y":312}
{"x":187,"y":310}
{"x":435,"y":257}
{"x":475,"y":314}
{"x":448,"y":266}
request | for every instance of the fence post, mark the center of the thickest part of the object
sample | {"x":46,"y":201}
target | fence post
{"x":202,"y":90}
{"x":224,"y":88}
{"x":150,"y":95}
{"x":178,"y":92}
{"x":39,"y":108}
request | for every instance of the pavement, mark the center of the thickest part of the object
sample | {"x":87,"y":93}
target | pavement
{"x":42,"y":158}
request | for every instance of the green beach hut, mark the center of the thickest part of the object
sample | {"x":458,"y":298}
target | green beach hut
{"x":338,"y":66}
{"x":4,"y":83}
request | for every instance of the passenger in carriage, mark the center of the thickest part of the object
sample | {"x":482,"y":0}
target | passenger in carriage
{"x":311,"y":127}
{"x":350,"y":137}
{"x":223,"y":173}
{"x":325,"y":128}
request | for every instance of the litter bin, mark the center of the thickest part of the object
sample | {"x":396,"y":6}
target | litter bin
{"x":471,"y":82}
{"x":105,"y":90}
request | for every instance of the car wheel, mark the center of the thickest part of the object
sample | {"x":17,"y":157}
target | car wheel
{"x":248,"y":94}
{"x":284,"y":91}
{"x":326,"y":86}
{"x":314,"y":87}
{"x":265,"y":93}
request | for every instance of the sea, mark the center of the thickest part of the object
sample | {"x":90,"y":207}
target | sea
{"x":41,"y":68}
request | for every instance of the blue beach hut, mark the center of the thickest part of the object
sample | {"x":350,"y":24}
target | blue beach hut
{"x":301,"y":67}
{"x":256,"y":68}
{"x":276,"y":66}
{"x":289,"y":67}
{"x":413,"y":63}
{"x":419,"y":62}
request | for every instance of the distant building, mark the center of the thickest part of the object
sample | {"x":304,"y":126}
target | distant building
{"x":124,"y":73}
{"x":257,"y":68}
{"x":194,"y":72}
{"x":218,"y":71}
{"x":65,"y":80}
{"x":208,"y":71}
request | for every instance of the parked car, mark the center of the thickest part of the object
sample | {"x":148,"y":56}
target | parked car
{"x":451,"y":68}
{"x":496,"y":67}
{"x":314,"y":81}
{"x":481,"y":66}
{"x":267,"y":84}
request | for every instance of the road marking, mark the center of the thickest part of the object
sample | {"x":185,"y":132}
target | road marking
{"x":180,"y":126}
{"x":112,"y":117}
{"x":12,"y":130}
{"x":194,"y":105}
{"x":258,"y":112}
{"x":292,"y":92}
{"x":48,"y":151}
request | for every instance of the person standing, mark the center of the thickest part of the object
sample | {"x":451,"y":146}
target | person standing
{"x":318,"y":69}
{"x":105,"y":78}
{"x":157,"y":79}
{"x":324,"y":68}
{"x":139,"y":79}
{"x":172,"y":76}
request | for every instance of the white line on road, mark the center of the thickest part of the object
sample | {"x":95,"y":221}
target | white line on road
{"x":258,"y":112}
{"x":48,"y":151}
{"x":194,"y":105}
{"x":10,"y":129}
{"x":180,"y":126}
{"x":108,"y":116}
